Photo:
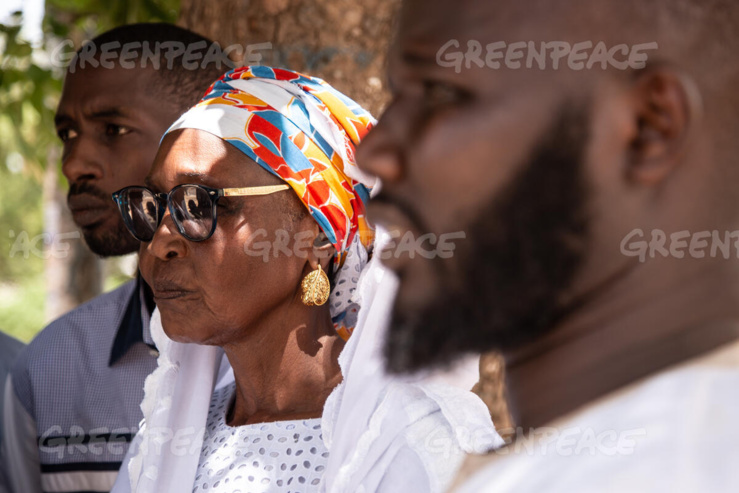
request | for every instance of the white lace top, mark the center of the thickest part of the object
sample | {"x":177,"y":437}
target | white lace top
{"x":283,"y":456}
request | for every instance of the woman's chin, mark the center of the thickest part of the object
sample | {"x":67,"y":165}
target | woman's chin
{"x":182,"y":330}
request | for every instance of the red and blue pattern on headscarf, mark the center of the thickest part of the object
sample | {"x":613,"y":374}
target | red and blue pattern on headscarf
{"x":304,"y":131}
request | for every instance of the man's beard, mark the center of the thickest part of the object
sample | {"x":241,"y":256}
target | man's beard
{"x":110,"y":242}
{"x":522,"y":252}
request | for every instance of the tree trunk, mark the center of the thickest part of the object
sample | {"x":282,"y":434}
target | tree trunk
{"x":73,"y":272}
{"x":344,"y":42}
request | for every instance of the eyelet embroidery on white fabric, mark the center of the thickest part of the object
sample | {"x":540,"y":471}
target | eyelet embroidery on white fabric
{"x":283,"y":456}
{"x":342,"y":299}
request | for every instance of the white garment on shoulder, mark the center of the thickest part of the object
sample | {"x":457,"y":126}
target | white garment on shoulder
{"x":675,"y":431}
{"x":388,"y":431}
{"x":275,"y":457}
{"x":383,"y":432}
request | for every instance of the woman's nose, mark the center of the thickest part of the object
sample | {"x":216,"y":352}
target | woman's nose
{"x":167,"y":242}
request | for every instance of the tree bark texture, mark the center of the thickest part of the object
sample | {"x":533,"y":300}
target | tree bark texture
{"x":342,"y":41}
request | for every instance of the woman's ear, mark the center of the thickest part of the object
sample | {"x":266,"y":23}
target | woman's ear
{"x":322,"y":252}
{"x":667,"y":105}
{"x":318,"y":248}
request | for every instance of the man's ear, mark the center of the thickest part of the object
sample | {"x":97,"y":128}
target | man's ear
{"x":667,"y":106}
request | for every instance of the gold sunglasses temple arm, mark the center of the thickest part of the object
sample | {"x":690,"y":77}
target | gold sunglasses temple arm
{"x":243,"y":192}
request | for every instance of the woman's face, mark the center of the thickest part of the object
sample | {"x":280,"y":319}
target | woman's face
{"x":208,"y":292}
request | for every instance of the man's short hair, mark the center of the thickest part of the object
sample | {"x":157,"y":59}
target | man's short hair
{"x":183,"y":64}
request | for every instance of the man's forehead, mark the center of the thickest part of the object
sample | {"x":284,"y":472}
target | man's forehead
{"x":94,"y":90}
{"x":98,"y":80}
{"x":492,"y":47}
{"x":96,"y":104}
{"x":425,"y":24}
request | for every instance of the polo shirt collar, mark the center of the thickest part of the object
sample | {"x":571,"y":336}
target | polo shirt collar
{"x":134,"y":326}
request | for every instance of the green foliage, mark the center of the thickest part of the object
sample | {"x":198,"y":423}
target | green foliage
{"x":22,"y":307}
{"x":22,"y":275}
{"x":86,"y":18}
{"x":28,"y":96}
{"x":21,"y":211}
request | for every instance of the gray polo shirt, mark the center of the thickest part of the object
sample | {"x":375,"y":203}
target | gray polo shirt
{"x":72,"y":402}
{"x":9,"y":350}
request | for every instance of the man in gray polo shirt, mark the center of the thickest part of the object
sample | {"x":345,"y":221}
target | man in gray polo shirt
{"x":72,"y":402}
{"x":9,"y":349}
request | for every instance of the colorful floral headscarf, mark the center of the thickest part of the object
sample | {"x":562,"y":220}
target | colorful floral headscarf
{"x":305,"y":132}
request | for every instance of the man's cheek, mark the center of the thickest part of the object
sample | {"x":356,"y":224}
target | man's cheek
{"x":420,"y":283}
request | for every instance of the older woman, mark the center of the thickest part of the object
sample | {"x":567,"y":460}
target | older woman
{"x":253,"y":240}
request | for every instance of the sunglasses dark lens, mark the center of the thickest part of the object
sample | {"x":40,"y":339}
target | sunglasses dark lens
{"x":193,"y":212}
{"x":139,"y":208}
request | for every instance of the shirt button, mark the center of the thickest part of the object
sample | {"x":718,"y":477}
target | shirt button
{"x":154,"y":353}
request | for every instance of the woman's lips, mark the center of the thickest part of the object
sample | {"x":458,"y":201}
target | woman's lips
{"x":169,"y":290}
{"x":170,"y":295}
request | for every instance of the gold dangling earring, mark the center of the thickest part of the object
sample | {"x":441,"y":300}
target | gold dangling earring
{"x":316,"y":288}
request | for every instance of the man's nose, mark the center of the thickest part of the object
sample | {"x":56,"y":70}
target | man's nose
{"x":381,"y":152}
{"x":82,"y":161}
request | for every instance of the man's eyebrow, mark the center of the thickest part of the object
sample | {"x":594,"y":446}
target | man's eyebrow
{"x":61,"y":118}
{"x":107,"y":113}
{"x":100,"y":114}
{"x":417,"y":59}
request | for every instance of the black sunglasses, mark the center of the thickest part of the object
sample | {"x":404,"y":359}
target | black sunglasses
{"x":192,"y":207}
